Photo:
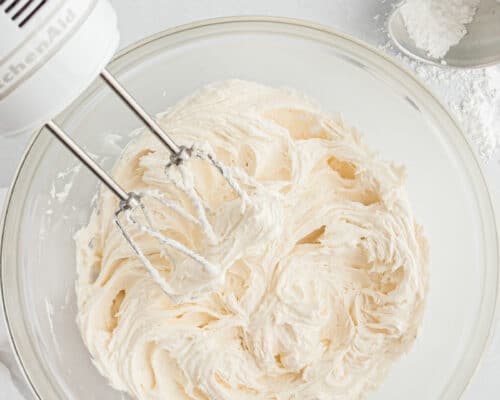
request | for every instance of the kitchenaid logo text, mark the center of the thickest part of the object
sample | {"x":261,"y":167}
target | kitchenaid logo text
{"x":35,"y":51}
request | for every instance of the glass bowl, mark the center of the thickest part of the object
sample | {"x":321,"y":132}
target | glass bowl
{"x":51,"y":196}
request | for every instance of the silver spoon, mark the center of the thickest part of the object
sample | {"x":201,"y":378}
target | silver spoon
{"x":479,"y":48}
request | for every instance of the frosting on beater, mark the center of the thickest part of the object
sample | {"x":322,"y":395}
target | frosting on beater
{"x":325,"y":269}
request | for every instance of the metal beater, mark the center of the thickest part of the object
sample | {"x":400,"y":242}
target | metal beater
{"x":132,"y":211}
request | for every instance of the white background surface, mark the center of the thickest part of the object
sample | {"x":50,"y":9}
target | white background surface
{"x":139,"y":18}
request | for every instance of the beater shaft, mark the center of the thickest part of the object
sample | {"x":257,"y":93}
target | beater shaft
{"x":140,"y":112}
{"x":93,"y":166}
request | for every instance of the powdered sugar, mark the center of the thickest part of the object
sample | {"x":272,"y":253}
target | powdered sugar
{"x":437,"y":25}
{"x":473,"y":96}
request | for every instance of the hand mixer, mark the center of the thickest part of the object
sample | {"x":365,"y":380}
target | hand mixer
{"x":60,"y":47}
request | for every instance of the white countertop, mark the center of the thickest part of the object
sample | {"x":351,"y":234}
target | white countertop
{"x":137,"y":19}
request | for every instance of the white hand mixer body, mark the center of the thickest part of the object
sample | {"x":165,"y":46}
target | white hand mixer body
{"x":50,"y":46}
{"x":60,"y":47}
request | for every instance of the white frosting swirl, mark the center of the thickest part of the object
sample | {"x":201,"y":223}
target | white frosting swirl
{"x":325,"y":275}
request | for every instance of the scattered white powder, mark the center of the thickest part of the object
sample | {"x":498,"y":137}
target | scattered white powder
{"x":436,"y":25}
{"x":473,"y":96}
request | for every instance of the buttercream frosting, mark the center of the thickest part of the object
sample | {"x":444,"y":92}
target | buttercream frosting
{"x":323,"y":275}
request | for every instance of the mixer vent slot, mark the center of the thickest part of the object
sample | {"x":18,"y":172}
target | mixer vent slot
{"x":22,"y":11}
